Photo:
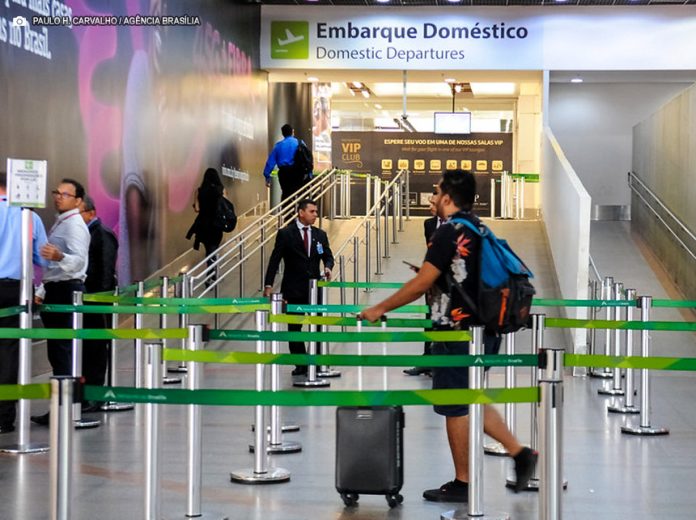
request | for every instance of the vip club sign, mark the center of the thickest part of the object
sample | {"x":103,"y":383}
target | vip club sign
{"x":503,"y":39}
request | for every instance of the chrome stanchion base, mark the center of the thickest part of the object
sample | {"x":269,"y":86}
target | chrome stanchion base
{"x":532,"y":485}
{"x":328,"y":372}
{"x":285,"y":428}
{"x":610,"y":391}
{"x":18,"y":449}
{"x":249,"y":476}
{"x":601,"y":375}
{"x":311,"y":384}
{"x":85,"y":424}
{"x":622,"y":409}
{"x":283,"y":447}
{"x":171,"y":380}
{"x":117,"y":407}
{"x":181,"y":369}
{"x":463,"y":514}
{"x":644,"y":430}
{"x":495,"y":448}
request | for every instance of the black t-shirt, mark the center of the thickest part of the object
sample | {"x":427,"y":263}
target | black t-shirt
{"x":454,"y":250}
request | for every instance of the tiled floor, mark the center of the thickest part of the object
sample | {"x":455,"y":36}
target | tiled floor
{"x":611,"y":476}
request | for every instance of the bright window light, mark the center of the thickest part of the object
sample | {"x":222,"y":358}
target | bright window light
{"x":493,"y":89}
{"x":576,"y":80}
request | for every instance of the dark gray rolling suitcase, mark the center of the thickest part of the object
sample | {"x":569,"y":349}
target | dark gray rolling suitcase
{"x":369,"y":452}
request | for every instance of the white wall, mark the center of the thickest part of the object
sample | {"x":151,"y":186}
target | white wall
{"x":566,"y":212}
{"x":593,"y":123}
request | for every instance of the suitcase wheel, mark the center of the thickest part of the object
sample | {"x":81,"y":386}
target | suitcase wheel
{"x":394,"y":500}
{"x":350,"y":499}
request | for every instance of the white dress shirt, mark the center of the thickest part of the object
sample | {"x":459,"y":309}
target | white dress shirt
{"x":71,"y":236}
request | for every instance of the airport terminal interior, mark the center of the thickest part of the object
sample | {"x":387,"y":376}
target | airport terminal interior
{"x":578,"y":123}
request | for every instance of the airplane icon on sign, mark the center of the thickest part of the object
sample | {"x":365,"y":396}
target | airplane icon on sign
{"x":289,"y":38}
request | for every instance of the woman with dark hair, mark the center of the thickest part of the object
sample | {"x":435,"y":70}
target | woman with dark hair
{"x":205,"y":204}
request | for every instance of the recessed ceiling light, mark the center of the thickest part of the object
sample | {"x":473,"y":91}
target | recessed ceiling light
{"x":312,"y":79}
{"x":366,"y":93}
{"x":450,"y":80}
{"x":383,"y":1}
{"x":576,"y":80}
{"x":357,"y":84}
{"x":454,"y":1}
{"x":378,"y":106}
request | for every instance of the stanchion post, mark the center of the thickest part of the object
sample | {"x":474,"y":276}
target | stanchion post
{"x":615,"y":387}
{"x":645,"y":428}
{"x":164,"y":324}
{"x":311,"y":379}
{"x":26,"y":298}
{"x":153,"y":352}
{"x":276,"y":444}
{"x":492,"y":199}
{"x":378,"y":227}
{"x":401,"y":204}
{"x":368,"y":252}
{"x":606,"y":293}
{"x":241,"y":266}
{"x":356,"y":268}
{"x":408,"y":195}
{"x":76,"y":365}
{"x":324,"y":348}
{"x":386,"y":223}
{"x":261,"y":473}
{"x":551,"y":434}
{"x":63,"y":390}
{"x":111,"y":379}
{"x":628,"y":405}
{"x":476,"y":411}
{"x":138,"y":343}
{"x":263,"y":244}
{"x":184,"y":292}
{"x":194,"y":443}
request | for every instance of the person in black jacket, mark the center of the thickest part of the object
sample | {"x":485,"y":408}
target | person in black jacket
{"x":206,"y":204}
{"x":101,"y":276}
{"x":302,"y":247}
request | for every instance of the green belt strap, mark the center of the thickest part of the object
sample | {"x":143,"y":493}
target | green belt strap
{"x":250,"y":358}
{"x":675,"y":303}
{"x":94,"y":333}
{"x":342,"y":337}
{"x":133,"y":309}
{"x":546,"y":302}
{"x":12,"y":311}
{"x":654,"y":363}
{"x":132,"y":300}
{"x":564,"y":323}
{"x":312,"y":397}
{"x":351,"y":308}
{"x":347,"y":322}
{"x":363,"y":285}
{"x":33,"y":391}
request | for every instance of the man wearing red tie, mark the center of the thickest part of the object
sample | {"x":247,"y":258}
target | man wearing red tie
{"x":302,"y":247}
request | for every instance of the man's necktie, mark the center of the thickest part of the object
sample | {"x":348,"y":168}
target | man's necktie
{"x":306,"y":239}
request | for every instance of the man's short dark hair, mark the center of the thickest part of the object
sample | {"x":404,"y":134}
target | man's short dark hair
{"x":3,"y":179}
{"x":79,"y":188}
{"x":304,"y":203}
{"x":88,"y":203}
{"x":286,"y":130}
{"x":460,"y":185}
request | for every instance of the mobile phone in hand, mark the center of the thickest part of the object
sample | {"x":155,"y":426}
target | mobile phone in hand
{"x":413,"y":268}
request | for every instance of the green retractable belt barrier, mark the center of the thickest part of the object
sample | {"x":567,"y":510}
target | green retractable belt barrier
{"x":12,"y":311}
{"x":566,"y":323}
{"x":160,"y":309}
{"x":352,"y":308}
{"x":342,"y":337}
{"x":347,"y":322}
{"x":651,"y":363}
{"x":363,"y":285}
{"x":33,"y":391}
{"x":94,"y":333}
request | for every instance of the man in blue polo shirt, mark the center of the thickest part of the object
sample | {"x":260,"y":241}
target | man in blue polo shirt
{"x":10,"y":274}
{"x":283,"y":155}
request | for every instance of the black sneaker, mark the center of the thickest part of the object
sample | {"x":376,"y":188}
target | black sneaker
{"x":525,"y":462}
{"x":453,"y":491}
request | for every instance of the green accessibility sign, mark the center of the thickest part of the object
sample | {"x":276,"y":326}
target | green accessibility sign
{"x":289,"y":40}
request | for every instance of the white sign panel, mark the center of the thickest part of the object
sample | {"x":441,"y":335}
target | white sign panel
{"x":529,"y":38}
{"x":26,"y":183}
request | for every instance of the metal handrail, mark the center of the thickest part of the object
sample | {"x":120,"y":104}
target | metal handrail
{"x":202,"y":271}
{"x":631,"y":177}
{"x":595,"y":270}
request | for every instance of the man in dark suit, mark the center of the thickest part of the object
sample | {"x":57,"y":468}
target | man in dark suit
{"x":101,"y":276}
{"x":302,"y":247}
{"x":430,"y":225}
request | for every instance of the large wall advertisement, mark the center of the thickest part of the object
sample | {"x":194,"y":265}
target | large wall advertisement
{"x":426,"y":156}
{"x":524,"y":38}
{"x":135,"y":99}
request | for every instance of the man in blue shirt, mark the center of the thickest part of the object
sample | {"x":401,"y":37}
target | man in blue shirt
{"x":10,"y":274}
{"x":283,"y":155}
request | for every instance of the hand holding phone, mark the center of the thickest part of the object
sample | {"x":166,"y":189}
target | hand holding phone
{"x":412,"y":267}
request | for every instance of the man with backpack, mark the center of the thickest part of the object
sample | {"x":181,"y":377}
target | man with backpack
{"x":452,"y":273}
{"x":294,"y":161}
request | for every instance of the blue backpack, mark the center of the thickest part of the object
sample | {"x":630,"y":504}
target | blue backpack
{"x":504,"y":290}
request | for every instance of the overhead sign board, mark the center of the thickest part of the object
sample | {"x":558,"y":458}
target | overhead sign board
{"x":528,"y":38}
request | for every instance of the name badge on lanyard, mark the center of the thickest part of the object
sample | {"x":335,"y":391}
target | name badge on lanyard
{"x":320,"y":248}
